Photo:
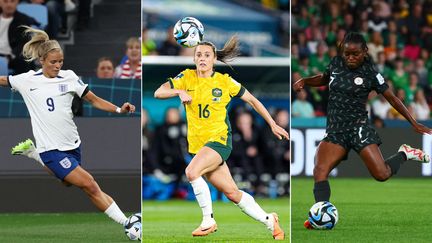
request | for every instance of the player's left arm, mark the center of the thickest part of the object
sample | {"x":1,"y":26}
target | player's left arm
{"x":401,"y":108}
{"x":104,"y":105}
{"x":278,"y":131}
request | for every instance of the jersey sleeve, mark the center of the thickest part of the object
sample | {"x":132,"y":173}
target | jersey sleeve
{"x":235,"y":88}
{"x":330,"y":66}
{"x":79,"y":87}
{"x":379,"y":84}
{"x":179,"y":82}
{"x":18,"y":82}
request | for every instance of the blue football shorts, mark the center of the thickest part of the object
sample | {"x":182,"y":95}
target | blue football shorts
{"x":61,"y":163}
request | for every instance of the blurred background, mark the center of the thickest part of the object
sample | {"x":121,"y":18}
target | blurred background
{"x":259,"y":163}
{"x":106,"y":54}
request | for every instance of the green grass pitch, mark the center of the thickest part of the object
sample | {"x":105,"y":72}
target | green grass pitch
{"x":398,"y":210}
{"x":174,"y":221}
{"x":63,"y":227}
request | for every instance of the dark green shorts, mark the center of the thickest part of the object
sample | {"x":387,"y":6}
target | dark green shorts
{"x":357,"y":138}
{"x":223,"y":150}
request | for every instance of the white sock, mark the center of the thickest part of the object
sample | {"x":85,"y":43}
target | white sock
{"x":33,"y":154}
{"x":36,"y":157}
{"x":202,"y":194}
{"x":248,"y":205}
{"x":114,"y":212}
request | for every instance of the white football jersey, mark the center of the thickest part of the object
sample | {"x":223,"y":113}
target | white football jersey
{"x":49,"y":102}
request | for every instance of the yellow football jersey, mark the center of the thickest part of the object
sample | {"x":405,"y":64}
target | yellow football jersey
{"x":207,"y":114}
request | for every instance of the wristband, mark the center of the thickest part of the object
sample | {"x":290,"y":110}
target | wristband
{"x":118,"y":110}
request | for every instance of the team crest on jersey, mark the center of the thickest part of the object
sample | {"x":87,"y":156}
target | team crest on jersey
{"x":358,"y":81}
{"x":65,"y":163}
{"x":216,"y":92}
{"x":63,"y":88}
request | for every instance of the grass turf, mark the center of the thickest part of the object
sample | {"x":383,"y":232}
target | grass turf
{"x":394,"y":211}
{"x":63,"y":227}
{"x":174,"y":221}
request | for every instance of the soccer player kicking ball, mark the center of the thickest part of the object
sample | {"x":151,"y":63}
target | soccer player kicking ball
{"x":206,"y":95}
{"x":48,"y":95}
{"x":351,"y":76}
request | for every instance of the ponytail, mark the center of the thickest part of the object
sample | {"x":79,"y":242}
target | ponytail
{"x":230,"y":50}
{"x":39,"y":45}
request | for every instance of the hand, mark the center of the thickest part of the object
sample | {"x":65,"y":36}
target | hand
{"x":127,"y":107}
{"x":422,"y":129}
{"x":279,"y":132}
{"x":185,"y":98}
{"x":298,"y":85}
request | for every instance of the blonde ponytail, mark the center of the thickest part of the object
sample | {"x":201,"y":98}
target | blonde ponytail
{"x":39,"y":45}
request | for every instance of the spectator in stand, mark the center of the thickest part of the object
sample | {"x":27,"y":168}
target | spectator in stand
{"x":56,"y":12}
{"x":420,"y":68}
{"x":246,"y":157}
{"x":169,"y":47}
{"x":167,"y":154}
{"x":276,"y":154}
{"x":132,"y":67}
{"x":412,"y":48}
{"x":412,"y":87}
{"x":420,"y":106}
{"x":301,"y":107}
{"x":83,"y":21}
{"x":380,"y":107}
{"x":375,"y":45}
{"x":148,"y":45}
{"x":12,"y":37}
{"x":393,"y":113}
{"x":319,"y":60}
{"x":105,"y":68}
{"x":398,"y":75}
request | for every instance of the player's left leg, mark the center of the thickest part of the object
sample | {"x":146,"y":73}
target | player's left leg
{"x":382,"y":169}
{"x":27,"y":149}
{"x":82,"y":179}
{"x":221,"y":178}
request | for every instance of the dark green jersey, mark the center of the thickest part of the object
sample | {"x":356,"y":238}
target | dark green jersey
{"x":348,"y":93}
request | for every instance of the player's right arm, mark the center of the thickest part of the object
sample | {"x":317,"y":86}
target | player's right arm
{"x":165,"y":91}
{"x":3,"y":81}
{"x":314,"y":81}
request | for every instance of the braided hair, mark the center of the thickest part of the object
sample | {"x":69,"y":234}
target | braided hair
{"x":355,"y":38}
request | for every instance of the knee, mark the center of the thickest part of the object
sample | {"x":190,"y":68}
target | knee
{"x":191,"y":173}
{"x":233,"y":195}
{"x":91,"y":187}
{"x":381,"y":176}
{"x":321,"y":172}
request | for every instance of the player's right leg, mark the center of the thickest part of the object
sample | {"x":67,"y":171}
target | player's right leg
{"x":206,"y":160}
{"x":82,"y":179}
{"x":221,"y":178}
{"x":328,"y":156}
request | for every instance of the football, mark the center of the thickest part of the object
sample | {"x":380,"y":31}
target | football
{"x":133,"y":227}
{"x":188,"y":32}
{"x":323,"y":215}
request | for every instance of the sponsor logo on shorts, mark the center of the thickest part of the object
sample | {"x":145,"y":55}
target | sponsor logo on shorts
{"x":66,"y":163}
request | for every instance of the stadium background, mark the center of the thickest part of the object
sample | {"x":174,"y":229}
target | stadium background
{"x":263,"y":69}
{"x":398,"y":36}
{"x":108,"y":140}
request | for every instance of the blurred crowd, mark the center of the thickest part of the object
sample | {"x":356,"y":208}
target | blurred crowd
{"x":399,"y":38}
{"x":259,"y":162}
{"x":169,"y":47}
